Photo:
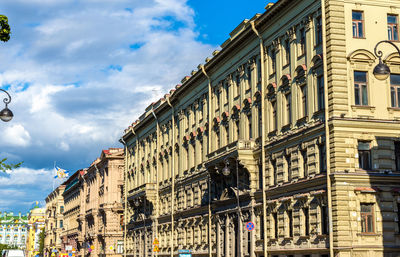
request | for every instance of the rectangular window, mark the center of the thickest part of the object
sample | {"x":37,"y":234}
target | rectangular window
{"x":318,"y":31}
{"x":302,"y":41}
{"x":250,"y":126}
{"x":306,"y":221}
{"x":226,"y":86}
{"x":274,"y":172}
{"x":367,"y":218}
{"x":287,"y":51}
{"x":289,"y":166}
{"x":324,"y":220}
{"x":259,"y":72}
{"x":305,"y":162}
{"x":364,"y":155}
{"x":322,"y":158}
{"x":358,"y":24}
{"x":237,"y":85}
{"x":304,"y":100}
{"x":248,"y":77}
{"x":288,"y":108}
{"x":274,"y":116}
{"x":290,"y":222}
{"x":217,"y":100}
{"x":397,"y":155}
{"x":273,"y":61}
{"x":393,"y":27}
{"x":395,"y":90}
{"x":261,"y":226}
{"x":321,"y":94}
{"x":360,"y":88}
{"x":61,"y":224}
{"x":275,"y":217}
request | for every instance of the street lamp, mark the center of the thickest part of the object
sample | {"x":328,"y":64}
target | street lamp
{"x":6,"y":114}
{"x":381,"y":70}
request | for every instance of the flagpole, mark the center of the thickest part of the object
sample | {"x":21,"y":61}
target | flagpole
{"x":53,"y":176}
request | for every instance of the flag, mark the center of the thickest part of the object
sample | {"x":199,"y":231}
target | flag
{"x":60,"y":173}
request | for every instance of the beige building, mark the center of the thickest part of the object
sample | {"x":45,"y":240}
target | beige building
{"x":101,"y":205}
{"x":54,"y":221}
{"x":36,"y":223}
{"x":71,"y":236}
{"x":243,"y":139}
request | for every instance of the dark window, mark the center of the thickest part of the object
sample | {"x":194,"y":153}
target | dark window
{"x":398,"y":217}
{"x":288,"y":108}
{"x":260,"y":119}
{"x":61,"y":224}
{"x":397,"y":154}
{"x":274,"y":116}
{"x":367,"y":218}
{"x":358,"y":24}
{"x":322,"y":158}
{"x":275,"y":217}
{"x":304,"y":100}
{"x":226,"y":92}
{"x":250,"y":126}
{"x":273,"y":61}
{"x":290,"y":217}
{"x":320,"y":90}
{"x":259,"y":72}
{"x":217,"y":94}
{"x":237,"y":85}
{"x":302,"y":41}
{"x":360,"y":88}
{"x":289,"y":166}
{"x":227,"y":134}
{"x":306,"y":221}
{"x":287,"y":51}
{"x":324,"y":220}
{"x":248,"y":77}
{"x":274,"y":172}
{"x":305,"y":162}
{"x":318,"y":31}
{"x":237,"y":128}
{"x":364,"y":155}
{"x":61,"y":209}
{"x":393,"y":27}
{"x":395,"y":90}
{"x":262,"y":226}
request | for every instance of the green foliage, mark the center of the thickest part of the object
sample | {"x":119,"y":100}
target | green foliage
{"x":41,"y":242}
{"x":5,"y":30}
{"x":4,"y":166}
{"x":6,"y":247}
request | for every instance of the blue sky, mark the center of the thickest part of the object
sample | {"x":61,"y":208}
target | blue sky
{"x":80,"y":72}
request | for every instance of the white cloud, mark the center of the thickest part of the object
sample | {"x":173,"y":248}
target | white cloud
{"x":16,"y":135}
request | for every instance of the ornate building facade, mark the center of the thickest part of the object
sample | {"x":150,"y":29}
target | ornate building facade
{"x":244,"y":139}
{"x":36,"y":222}
{"x":54,"y":221}
{"x":13,"y":229}
{"x":101,"y":205}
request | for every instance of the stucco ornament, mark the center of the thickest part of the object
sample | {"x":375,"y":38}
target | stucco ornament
{"x":5,"y":30}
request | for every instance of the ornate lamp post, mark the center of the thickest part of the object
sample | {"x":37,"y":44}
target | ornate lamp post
{"x":381,"y":70}
{"x":6,"y":114}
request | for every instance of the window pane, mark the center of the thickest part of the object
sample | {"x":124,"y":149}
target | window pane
{"x":360,"y":76}
{"x":357,"y":15}
{"x":354,"y":29}
{"x":395,"y":32}
{"x":393,"y":96}
{"x":390,"y":33}
{"x":364,"y":95}
{"x":398,"y":96}
{"x":395,"y":79}
{"x":367,"y":208}
{"x":360,"y":30}
{"x":392,"y":19}
{"x":357,"y":94}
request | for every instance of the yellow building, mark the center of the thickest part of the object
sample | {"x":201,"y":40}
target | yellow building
{"x":243,"y":139}
{"x":36,"y":223}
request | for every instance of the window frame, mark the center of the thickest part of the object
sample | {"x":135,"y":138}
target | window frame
{"x":357,"y":35}
{"x":364,"y":218}
{"x":396,"y":88}
{"x":302,"y":41}
{"x":392,"y":26}
{"x":318,"y":31}
{"x":359,"y":86}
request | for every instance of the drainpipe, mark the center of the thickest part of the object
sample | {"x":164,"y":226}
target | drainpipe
{"x":156,"y":176}
{"x":264,"y":196}
{"x":121,"y":140}
{"x":208,"y":152}
{"x":327,"y":141}
{"x":173,"y":177}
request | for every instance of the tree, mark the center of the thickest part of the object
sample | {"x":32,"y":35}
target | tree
{"x":41,"y":242}
{"x":4,"y":166}
{"x":5,"y":30}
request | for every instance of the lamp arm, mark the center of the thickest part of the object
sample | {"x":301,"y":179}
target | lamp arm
{"x":379,"y":53}
{"x":6,"y":100}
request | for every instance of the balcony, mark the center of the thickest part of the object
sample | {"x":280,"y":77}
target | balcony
{"x":235,"y":148}
{"x":147,"y":190}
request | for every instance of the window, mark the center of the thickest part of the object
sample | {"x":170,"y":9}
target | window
{"x":306,"y":223}
{"x":237,"y":85}
{"x":273,"y":62}
{"x":397,"y":154}
{"x":259,"y":119}
{"x":358,"y":24}
{"x":398,"y":217}
{"x":287,"y":51}
{"x":259,"y":72}
{"x":322,"y":158}
{"x":274,"y":172}
{"x":227,"y":134}
{"x":61,"y":224}
{"x":324,"y":220}
{"x":304,"y":100}
{"x":217,"y":94}
{"x":367,"y":218}
{"x":305,"y":162}
{"x":395,"y":90}
{"x":290,"y":222}
{"x":288,"y":166}
{"x":248,"y":77}
{"x":275,"y":218}
{"x":320,"y":91}
{"x":237,"y":129}
{"x":302,"y":41}
{"x":360,"y":88}
{"x":274,"y":116}
{"x":364,"y":155}
{"x":288,"y":108}
{"x":61,"y":209}
{"x":226,"y":87}
{"x":250,"y":126}
{"x":318,"y":31}
{"x":393,"y":27}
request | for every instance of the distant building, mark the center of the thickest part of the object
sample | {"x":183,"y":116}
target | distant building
{"x":54,"y":220}
{"x":36,"y":221}
{"x":13,"y":229}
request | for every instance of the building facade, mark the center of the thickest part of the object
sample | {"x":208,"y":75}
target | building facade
{"x":244,"y":139}
{"x":13,"y":229}
{"x":101,"y":205}
{"x":54,"y":221}
{"x":36,"y":223}
{"x":71,"y":236}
